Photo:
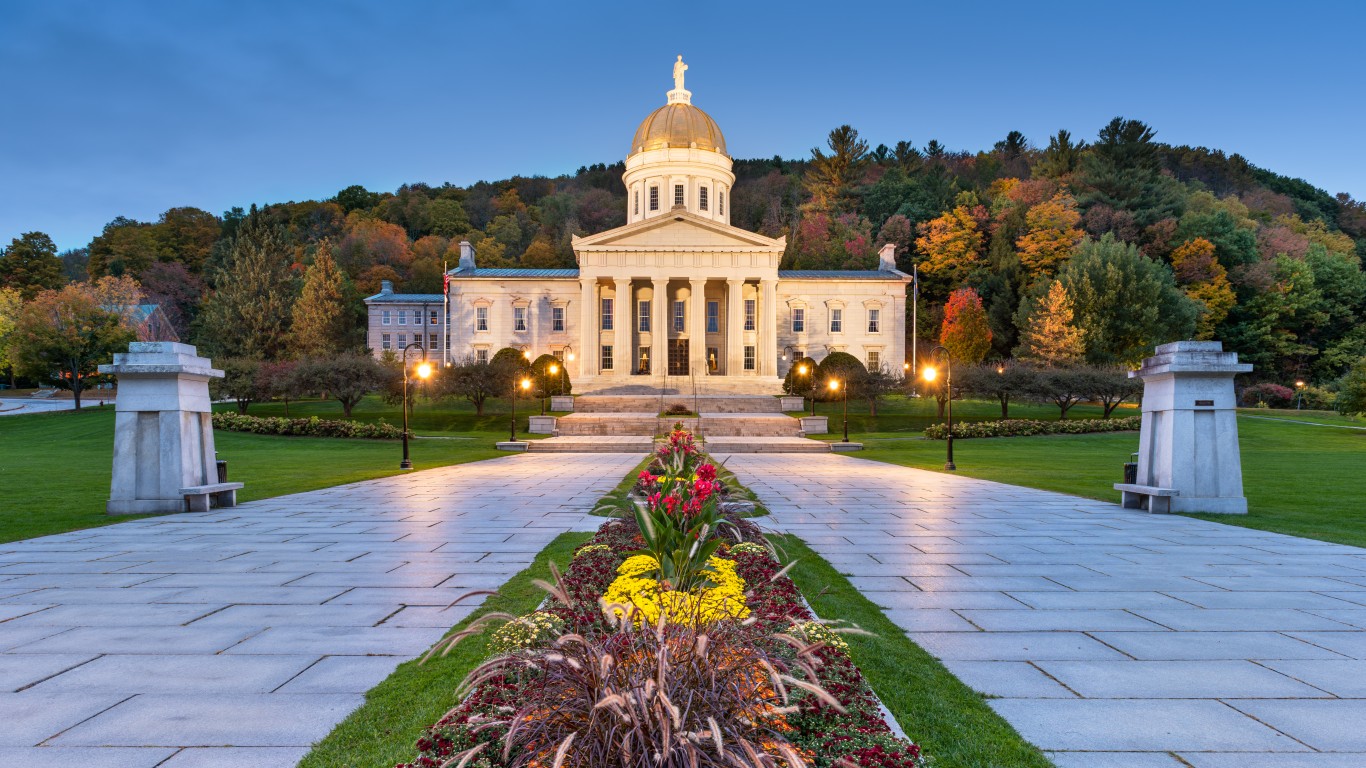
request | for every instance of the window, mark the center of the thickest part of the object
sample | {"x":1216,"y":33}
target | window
{"x":721,"y":203}
{"x":403,"y":317}
{"x":680,"y":315}
{"x":558,"y":354}
{"x":751,"y":306}
{"x":713,"y":317}
{"x":481,"y":355}
{"x":519,"y":318}
{"x":654,"y":198}
{"x":432,"y":319}
{"x":644,"y":312}
{"x":836,"y":320}
{"x":678,"y":194}
{"x":643,"y":359}
{"x":749,"y":357}
{"x":607,"y":314}
{"x":875,"y":321}
{"x":874,"y":360}
{"x":448,"y":341}
{"x":384,"y":317}
{"x":385,"y":342}
{"x":607,"y":357}
{"x":431,"y":341}
{"x":798,"y":320}
{"x":481,"y":318}
{"x":557,"y":318}
{"x":702,"y":199}
{"x":636,"y":209}
{"x":402,"y":340}
{"x":417,"y":317}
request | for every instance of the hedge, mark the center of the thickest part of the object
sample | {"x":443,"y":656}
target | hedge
{"x":310,"y":427}
{"x":1029,"y":428}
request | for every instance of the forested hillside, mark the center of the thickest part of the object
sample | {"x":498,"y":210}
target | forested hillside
{"x":1137,"y":241}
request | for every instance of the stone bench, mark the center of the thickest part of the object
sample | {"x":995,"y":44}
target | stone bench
{"x":197,"y":496}
{"x":1149,"y":497}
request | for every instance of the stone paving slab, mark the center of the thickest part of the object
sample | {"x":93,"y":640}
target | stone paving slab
{"x":239,"y":637}
{"x":1112,"y":638}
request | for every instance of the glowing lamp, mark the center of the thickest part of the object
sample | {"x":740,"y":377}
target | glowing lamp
{"x":931,"y":374}
{"x":424,"y":370}
{"x":834,"y":385}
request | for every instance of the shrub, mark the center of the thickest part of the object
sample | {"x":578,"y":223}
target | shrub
{"x":1029,"y":428}
{"x":1352,"y":390}
{"x":346,"y":378}
{"x":1273,"y":395}
{"x":310,"y":427}
{"x":677,"y":409}
{"x":798,"y":383}
{"x":548,"y":383}
{"x":846,"y":369}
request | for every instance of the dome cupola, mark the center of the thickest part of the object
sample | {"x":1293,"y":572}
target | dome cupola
{"x":678,"y":159}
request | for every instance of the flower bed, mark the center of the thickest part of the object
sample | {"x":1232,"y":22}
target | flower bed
{"x":646,"y":655}
{"x":310,"y":427}
{"x":1029,"y":428}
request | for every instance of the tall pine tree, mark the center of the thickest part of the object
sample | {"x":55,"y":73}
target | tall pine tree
{"x":249,"y":313}
{"x":1049,"y":337}
{"x":320,"y":318}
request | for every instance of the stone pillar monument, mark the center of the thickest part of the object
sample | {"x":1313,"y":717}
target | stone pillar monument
{"x":1188,"y":458}
{"x":163,"y":430}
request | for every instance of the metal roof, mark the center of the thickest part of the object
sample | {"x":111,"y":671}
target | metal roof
{"x":838,"y":274}
{"x":405,"y":298}
{"x":507,"y":272}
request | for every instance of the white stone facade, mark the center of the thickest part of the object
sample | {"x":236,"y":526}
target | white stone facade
{"x":675,"y":292}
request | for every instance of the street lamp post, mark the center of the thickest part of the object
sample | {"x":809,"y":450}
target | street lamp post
{"x":424,"y":370}
{"x":930,"y":374}
{"x":1299,"y":394}
{"x":836,"y":386}
{"x":550,"y":370}
{"x":525,"y":383}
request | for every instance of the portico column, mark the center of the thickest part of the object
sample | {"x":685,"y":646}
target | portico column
{"x":588,"y":327}
{"x":622,"y":357}
{"x":768,"y":334}
{"x":697,"y":326}
{"x":735,"y":323}
{"x":659,"y":328}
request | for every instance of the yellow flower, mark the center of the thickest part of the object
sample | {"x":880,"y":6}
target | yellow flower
{"x":725,"y":600}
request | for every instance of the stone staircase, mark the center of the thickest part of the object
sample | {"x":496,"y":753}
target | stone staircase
{"x":718,"y":445}
{"x":593,"y":444}
{"x":654,"y":403}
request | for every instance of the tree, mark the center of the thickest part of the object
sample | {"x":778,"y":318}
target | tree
{"x":1051,"y":236}
{"x":951,"y":244}
{"x":1112,"y":386}
{"x":548,"y":383}
{"x":10,"y":305}
{"x":844,"y":368}
{"x":1064,"y":387}
{"x":965,"y":332}
{"x":1123,"y":171}
{"x":1206,"y":282}
{"x":320,"y":322}
{"x":1061,"y":157}
{"x":1049,"y":336}
{"x":241,"y":382}
{"x":171,"y":285}
{"x":830,"y":178}
{"x":878,"y":383}
{"x":1352,"y":390}
{"x":278,"y":380}
{"x":798,"y":383}
{"x":1124,"y":301}
{"x":1002,"y":381}
{"x":347,"y":378}
{"x":249,"y":313}
{"x":30,"y":265}
{"x":63,"y":336}
{"x":473,"y":380}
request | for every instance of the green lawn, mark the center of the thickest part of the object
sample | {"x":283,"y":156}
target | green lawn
{"x":1299,"y":479}
{"x":901,"y":415}
{"x":427,"y":417}
{"x":54,"y":467}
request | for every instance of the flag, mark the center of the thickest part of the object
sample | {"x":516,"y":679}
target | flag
{"x":446,"y":284}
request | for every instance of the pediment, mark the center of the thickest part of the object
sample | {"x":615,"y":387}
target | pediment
{"x":678,"y":231}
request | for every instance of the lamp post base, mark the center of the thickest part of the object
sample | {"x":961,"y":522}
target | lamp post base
{"x":405,"y":464}
{"x":949,"y":465}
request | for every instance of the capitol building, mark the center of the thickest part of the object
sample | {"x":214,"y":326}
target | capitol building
{"x":675,"y":292}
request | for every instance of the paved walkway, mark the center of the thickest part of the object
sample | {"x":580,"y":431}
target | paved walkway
{"x":240,"y":637}
{"x":1114,"y":638}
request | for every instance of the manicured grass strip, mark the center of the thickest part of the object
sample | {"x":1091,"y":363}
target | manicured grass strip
{"x":950,"y":721}
{"x":386,"y":728}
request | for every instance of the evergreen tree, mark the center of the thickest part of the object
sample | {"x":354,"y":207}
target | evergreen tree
{"x":1124,"y":301}
{"x":1123,"y":170}
{"x":1049,"y":336}
{"x":966,"y":334}
{"x":30,"y":265}
{"x":249,"y":313}
{"x":320,"y":321}
{"x":831,"y":177}
{"x":1061,"y":157}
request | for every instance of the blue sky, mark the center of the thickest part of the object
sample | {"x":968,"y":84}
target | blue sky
{"x":129,"y":108}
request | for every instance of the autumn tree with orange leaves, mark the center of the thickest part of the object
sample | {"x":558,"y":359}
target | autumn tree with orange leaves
{"x":1052,"y":234}
{"x":966,"y":334}
{"x":1205,"y":280}
{"x":951,"y":244}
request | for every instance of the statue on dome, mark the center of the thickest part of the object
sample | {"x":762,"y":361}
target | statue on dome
{"x":679,"y":69}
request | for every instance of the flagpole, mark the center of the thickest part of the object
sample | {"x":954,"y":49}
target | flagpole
{"x":915,"y":334}
{"x":445,"y":315}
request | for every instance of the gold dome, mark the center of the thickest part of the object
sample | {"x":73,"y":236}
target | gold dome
{"x":678,"y":125}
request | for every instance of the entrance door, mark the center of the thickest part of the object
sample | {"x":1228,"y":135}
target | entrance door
{"x":678,"y":357}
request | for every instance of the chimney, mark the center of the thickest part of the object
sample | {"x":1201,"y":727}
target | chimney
{"x":886,"y":258}
{"x":466,"y":255}
{"x":386,"y":286}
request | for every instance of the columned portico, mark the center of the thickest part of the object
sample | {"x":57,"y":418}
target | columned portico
{"x":767,"y":357}
{"x":697,"y":326}
{"x":623,"y":357}
{"x":735,"y":303}
{"x":659,"y":328}
{"x":588,"y":317}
